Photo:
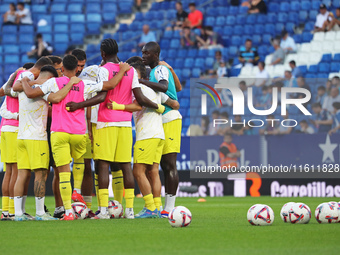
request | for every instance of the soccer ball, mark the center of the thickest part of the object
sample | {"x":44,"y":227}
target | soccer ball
{"x":180,"y":216}
{"x":284,"y":213}
{"x":326,"y":213}
{"x":115,"y":209}
{"x":260,"y":215}
{"x":80,"y":210}
{"x":300,"y":213}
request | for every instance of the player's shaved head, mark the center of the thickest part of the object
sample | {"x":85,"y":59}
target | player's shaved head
{"x":150,"y":54}
{"x":152,"y":47}
{"x":49,"y":69}
{"x":56,"y":60}
{"x":70,"y":62}
{"x":43,"y":61}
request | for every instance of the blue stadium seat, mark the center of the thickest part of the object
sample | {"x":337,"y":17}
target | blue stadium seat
{"x":9,"y":39}
{"x":47,"y":37}
{"x":110,"y":8}
{"x":58,"y":8}
{"x":262,"y":50}
{"x":204,"y":53}
{"x":3,"y":9}
{"x":303,"y":15}
{"x":77,"y":18}
{"x":12,"y":59}
{"x":26,"y":59}
{"x":26,"y":29}
{"x":93,"y":8}
{"x":283,"y":17}
{"x":233,"y":51}
{"x":261,"y":19}
{"x":189,"y":63}
{"x":236,"y":40}
{"x":211,"y":11}
{"x":25,"y":47}
{"x":237,"y":30}
{"x":307,"y":37}
{"x":125,"y":8}
{"x":295,"y":5}
{"x":179,"y":63}
{"x":231,"y":20}
{"x":336,"y":3}
{"x":271,"y":17}
{"x":222,"y":11}
{"x":336,"y":57}
{"x":10,"y":29}
{"x":11,"y":48}
{"x":316,"y":5}
{"x":149,"y":15}
{"x":196,"y":73}
{"x":233,"y":10}
{"x":309,"y":26}
{"x":303,"y":69}
{"x":78,"y":28}
{"x":293,"y":17}
{"x":273,"y":7}
{"x":39,"y":8}
{"x":251,"y":19}
{"x":297,"y":38}
{"x":266,"y":38}
{"x":210,"y":21}
{"x":306,"y":5}
{"x":60,"y":18}
{"x":234,"y":72}
{"x":94,"y":18}
{"x":326,"y":58}
{"x":182,"y":53}
{"x":259,"y":29}
{"x":164,"y":44}
{"x":279,"y":27}
{"x":256,"y":40}
{"x":209,"y":62}
{"x":75,"y":8}
{"x":270,"y":29}
{"x":290,"y":27}
{"x":240,"y":19}
{"x":77,"y":38}
{"x":313,"y":14}
{"x":284,"y":7}
{"x":44,"y":29}
{"x":27,"y":38}
{"x":199,"y":62}
{"x":60,"y":28}
{"x":324,"y":68}
{"x":313,"y":69}
{"x":109,"y":18}
{"x":192,"y":53}
{"x":220,"y":21}
{"x":335,"y":67}
{"x":227,"y":30}
{"x":61,"y":38}
{"x":186,"y":73}
{"x":175,"y":43}
{"x":248,"y":29}
{"x":60,"y":48}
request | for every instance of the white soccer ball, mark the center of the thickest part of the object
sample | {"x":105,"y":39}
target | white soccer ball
{"x":80,"y":210}
{"x":180,"y":216}
{"x":326,"y":213}
{"x":115,"y":209}
{"x":260,"y":215}
{"x":300,"y":213}
{"x":284,"y":213}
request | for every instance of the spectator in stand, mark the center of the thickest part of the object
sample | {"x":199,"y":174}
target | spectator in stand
{"x":205,"y":125}
{"x":213,"y":130}
{"x":23,"y":15}
{"x":262,"y":76}
{"x":248,"y":55}
{"x":218,"y":59}
{"x":287,"y":43}
{"x":322,"y":119}
{"x":237,"y":128}
{"x":195,"y":17}
{"x":334,"y":24}
{"x":225,"y":128}
{"x":147,"y":36}
{"x":284,"y":130}
{"x":322,"y":19}
{"x":188,"y":38}
{"x":336,"y":118}
{"x":321,"y":95}
{"x":228,"y":152}
{"x":279,"y":54}
{"x":287,"y":79}
{"x":305,"y":128}
{"x":257,"y":6}
{"x":270,"y":127}
{"x":301,"y":82}
{"x":138,"y":5}
{"x":40,"y":48}
{"x":243,"y":86}
{"x":222,"y":70}
{"x":210,"y":39}
{"x":335,"y":81}
{"x":330,"y":99}
{"x":265,"y":100}
{"x":10,"y":16}
{"x":296,"y":72}
{"x":181,"y":16}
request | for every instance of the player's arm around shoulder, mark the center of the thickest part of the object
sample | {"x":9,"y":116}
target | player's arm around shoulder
{"x":30,"y":91}
{"x":174,"y":104}
{"x":178,"y":84}
{"x":114,"y":81}
{"x":57,"y":97}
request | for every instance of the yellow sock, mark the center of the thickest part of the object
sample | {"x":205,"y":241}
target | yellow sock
{"x":129,"y":197}
{"x":149,"y":203}
{"x":78,"y":173}
{"x":65,"y":189}
{"x":88,"y":201}
{"x":96,"y":187}
{"x":104,"y":197}
{"x":11,"y":206}
{"x":158,"y":202}
{"x":118,"y":185}
{"x":5,"y":204}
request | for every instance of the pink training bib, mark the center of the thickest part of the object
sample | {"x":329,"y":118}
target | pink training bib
{"x":121,"y":94}
{"x":69,"y":122}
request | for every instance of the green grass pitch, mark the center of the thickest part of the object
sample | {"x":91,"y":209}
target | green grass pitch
{"x":219,"y":226}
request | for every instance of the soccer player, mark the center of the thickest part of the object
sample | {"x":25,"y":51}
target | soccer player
{"x":69,"y":128}
{"x":163,"y":80}
{"x":33,"y":151}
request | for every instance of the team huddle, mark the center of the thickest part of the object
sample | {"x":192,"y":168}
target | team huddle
{"x":57,"y":111}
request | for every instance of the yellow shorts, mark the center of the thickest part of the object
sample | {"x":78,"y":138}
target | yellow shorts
{"x":9,"y":147}
{"x":172,"y":131}
{"x":33,"y":154}
{"x":113,"y":144}
{"x":88,"y":153}
{"x":148,"y":151}
{"x":67,"y":146}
